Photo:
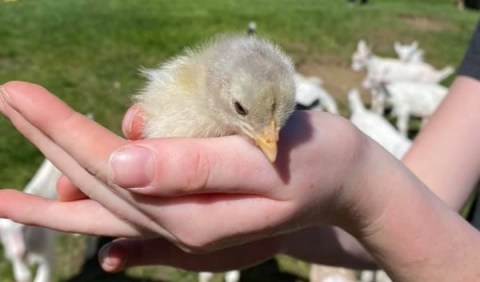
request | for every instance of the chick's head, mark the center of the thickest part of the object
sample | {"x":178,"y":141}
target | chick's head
{"x":257,"y":95}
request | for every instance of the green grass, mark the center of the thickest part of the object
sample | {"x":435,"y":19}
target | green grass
{"x":88,"y":52}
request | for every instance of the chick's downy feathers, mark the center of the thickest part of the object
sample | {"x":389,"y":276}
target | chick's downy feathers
{"x":230,"y":85}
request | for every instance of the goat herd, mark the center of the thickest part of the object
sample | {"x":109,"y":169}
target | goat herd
{"x":407,"y":85}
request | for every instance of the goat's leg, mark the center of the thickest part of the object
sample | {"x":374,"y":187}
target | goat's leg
{"x":44,"y":271}
{"x":367,"y":276}
{"x":232,"y":276}
{"x":205,"y":276}
{"x":46,"y":257}
{"x":402,"y":123}
{"x":319,"y":273}
{"x":21,"y":270}
{"x":424,"y":121}
{"x":381,"y":276}
{"x":378,"y":103}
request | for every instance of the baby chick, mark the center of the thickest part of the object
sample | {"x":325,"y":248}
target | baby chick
{"x":231,"y":85}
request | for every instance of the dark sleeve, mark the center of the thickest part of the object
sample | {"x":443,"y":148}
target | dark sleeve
{"x":471,"y":62}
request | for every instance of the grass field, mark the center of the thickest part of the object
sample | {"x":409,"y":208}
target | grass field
{"x":88,"y":53}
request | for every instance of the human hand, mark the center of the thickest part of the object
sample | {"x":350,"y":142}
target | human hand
{"x":196,"y":183}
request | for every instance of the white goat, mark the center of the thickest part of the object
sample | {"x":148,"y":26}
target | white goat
{"x":409,"y":53}
{"x":230,"y":276}
{"x":30,"y":245}
{"x":376,"y":126}
{"x":310,"y":94}
{"x":391,"y":70}
{"x":409,"y":98}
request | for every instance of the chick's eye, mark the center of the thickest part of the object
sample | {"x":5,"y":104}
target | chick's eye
{"x":240,"y":109}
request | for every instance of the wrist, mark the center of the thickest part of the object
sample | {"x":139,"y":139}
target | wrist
{"x":344,"y":160}
{"x":394,"y":215}
{"x":365,"y":192}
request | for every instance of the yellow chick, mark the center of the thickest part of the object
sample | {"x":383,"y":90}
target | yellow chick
{"x":233,"y":84}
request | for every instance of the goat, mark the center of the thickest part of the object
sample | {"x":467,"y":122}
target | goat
{"x":391,"y":70}
{"x":376,"y":126}
{"x":409,"y":53}
{"x":311,"y":95}
{"x":408,"y":98}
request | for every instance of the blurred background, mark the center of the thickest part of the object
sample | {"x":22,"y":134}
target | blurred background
{"x":89,"y":54}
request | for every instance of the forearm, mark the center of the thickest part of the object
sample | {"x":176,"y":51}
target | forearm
{"x":411,"y":233}
{"x":445,"y":153}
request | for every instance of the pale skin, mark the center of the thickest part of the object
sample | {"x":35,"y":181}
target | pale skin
{"x":327,"y":173}
{"x":446,"y":153}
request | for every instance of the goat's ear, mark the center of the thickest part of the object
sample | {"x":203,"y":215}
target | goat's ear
{"x":415,"y":44}
{"x":361,"y":43}
{"x":363,"y":47}
{"x":396,"y":45}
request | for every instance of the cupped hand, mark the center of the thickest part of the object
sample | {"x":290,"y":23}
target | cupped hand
{"x":200,"y":194}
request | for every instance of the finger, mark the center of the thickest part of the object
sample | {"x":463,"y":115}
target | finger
{"x":84,"y":216}
{"x":72,"y":131}
{"x":67,"y":192}
{"x":121,"y":204}
{"x":183,"y":166}
{"x":124,"y":253}
{"x":132,"y":125}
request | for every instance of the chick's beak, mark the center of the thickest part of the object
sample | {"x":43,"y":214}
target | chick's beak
{"x":267,"y":141}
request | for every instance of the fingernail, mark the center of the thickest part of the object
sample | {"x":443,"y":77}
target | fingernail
{"x":132,"y":167}
{"x":129,"y":119}
{"x":3,"y":99}
{"x":109,"y":261}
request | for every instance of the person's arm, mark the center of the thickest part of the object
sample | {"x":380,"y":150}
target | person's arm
{"x":416,"y":237}
{"x":327,"y":172}
{"x":445,"y":153}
